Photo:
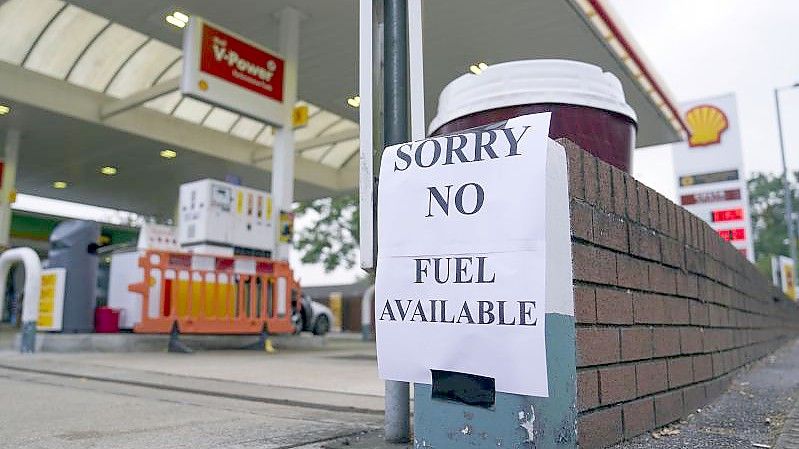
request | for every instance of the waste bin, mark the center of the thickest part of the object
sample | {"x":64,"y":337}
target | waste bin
{"x":73,"y":246}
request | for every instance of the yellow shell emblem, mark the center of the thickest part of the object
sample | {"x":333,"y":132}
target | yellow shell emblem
{"x":706,"y":124}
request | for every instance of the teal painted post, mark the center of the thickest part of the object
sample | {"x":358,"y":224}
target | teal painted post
{"x":517,"y":421}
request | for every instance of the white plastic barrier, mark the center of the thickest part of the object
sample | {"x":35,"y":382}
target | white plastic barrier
{"x":33,"y":286}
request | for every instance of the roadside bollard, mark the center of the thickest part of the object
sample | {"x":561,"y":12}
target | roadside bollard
{"x":33,"y":285}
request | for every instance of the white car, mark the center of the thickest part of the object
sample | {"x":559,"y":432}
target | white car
{"x":313,"y":317}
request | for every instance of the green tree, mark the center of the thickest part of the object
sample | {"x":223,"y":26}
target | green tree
{"x":332,"y":238}
{"x":767,"y":201}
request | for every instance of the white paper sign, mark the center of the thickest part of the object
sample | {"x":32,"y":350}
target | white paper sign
{"x":461,"y":257}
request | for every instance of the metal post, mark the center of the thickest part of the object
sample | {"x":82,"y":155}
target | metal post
{"x":786,"y":187}
{"x":395,"y":100}
{"x":9,"y":181}
{"x":283,"y":155}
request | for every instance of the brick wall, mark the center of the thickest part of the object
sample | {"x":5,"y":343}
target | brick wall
{"x":666,"y":310}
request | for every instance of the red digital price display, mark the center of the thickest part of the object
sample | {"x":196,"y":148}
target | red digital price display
{"x":732,"y":235}
{"x":727,"y":215}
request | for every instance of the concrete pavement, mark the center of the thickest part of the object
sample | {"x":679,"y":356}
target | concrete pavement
{"x":326,"y":398}
{"x":49,"y":411}
{"x":343,"y":375}
{"x":306,"y":399}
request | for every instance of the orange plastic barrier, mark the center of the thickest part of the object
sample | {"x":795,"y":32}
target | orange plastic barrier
{"x":206,"y":294}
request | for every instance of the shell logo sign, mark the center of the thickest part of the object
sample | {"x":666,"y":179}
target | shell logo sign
{"x":706,"y":124}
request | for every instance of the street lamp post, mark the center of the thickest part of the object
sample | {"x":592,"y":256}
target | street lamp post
{"x":785,"y":184}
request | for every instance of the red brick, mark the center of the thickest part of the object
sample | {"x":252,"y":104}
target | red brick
{"x":679,"y":229}
{"x":597,"y":346}
{"x":639,"y":417}
{"x":593,"y":264}
{"x":643,"y":203}
{"x":694,"y":261}
{"x":716,"y":387}
{"x":663,"y":214}
{"x":636,"y":343}
{"x":691,"y":340}
{"x":666,"y":341}
{"x":649,"y":309}
{"x":668,"y":408}
{"x":680,"y":372}
{"x":654,"y":210}
{"x":699,"y":314}
{"x":600,"y":429}
{"x":630,"y":273}
{"x":587,"y":390}
{"x":672,"y":214}
{"x":644,"y":243}
{"x":616,"y":384}
{"x":605,"y":199}
{"x":662,"y":279}
{"x":613,"y":306}
{"x":584,"y":305}
{"x":671,"y":252}
{"x":703,"y":367}
{"x":575,"y":167}
{"x":718,"y":315}
{"x":652,"y":377}
{"x":687,"y":285}
{"x":619,"y":192}
{"x":590,"y":179}
{"x":632,"y":199}
{"x":720,"y":363}
{"x":677,"y":309}
{"x":610,"y":231}
{"x":581,"y":220}
{"x":694,"y":398}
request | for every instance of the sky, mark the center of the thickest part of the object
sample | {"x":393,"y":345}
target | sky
{"x":703,"y":48}
{"x":699,"y":48}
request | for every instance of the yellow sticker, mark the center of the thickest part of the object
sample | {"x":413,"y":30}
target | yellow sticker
{"x":239,"y":202}
{"x":47,"y":300}
{"x":299,"y":116}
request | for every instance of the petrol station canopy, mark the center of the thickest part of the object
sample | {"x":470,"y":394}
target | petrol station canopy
{"x":65,"y":65}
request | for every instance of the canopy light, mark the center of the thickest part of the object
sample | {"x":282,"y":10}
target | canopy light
{"x":108,"y":170}
{"x":60,"y":185}
{"x":177,"y":19}
{"x":478,"y":68}
{"x":168,"y":154}
{"x":354,"y":101}
{"x":180,"y":16}
{"x":4,"y":109}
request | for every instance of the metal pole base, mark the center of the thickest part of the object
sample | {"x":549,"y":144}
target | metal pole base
{"x":263,"y":343}
{"x":27,"y":343}
{"x":397,"y":418}
{"x":175,"y":345}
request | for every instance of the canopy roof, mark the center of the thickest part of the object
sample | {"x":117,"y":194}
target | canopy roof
{"x":62,"y":63}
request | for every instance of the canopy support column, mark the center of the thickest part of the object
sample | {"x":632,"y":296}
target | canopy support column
{"x":283,"y":155}
{"x":8,"y":173}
